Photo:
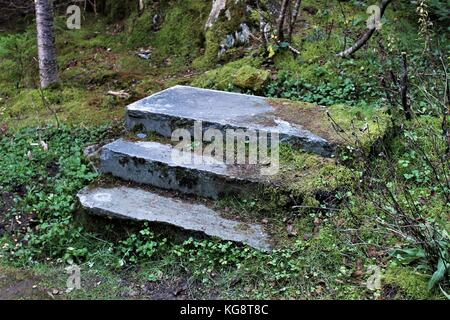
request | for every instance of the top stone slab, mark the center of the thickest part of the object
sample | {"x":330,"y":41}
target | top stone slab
{"x":180,"y":106}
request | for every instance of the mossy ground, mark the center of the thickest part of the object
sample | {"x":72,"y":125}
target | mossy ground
{"x":91,"y":61}
{"x":102,"y":57}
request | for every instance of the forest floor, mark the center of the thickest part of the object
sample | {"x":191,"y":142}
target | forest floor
{"x":50,"y":284}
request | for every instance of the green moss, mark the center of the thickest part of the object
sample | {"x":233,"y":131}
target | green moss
{"x":116,"y":10}
{"x":412,"y":284}
{"x":188,"y":19}
{"x":285,"y":60}
{"x":304,"y":179}
{"x":140,"y":29}
{"x":250,"y":78}
{"x":305,"y":176}
{"x":340,"y":124}
{"x":71,"y":105}
{"x":243,"y":73}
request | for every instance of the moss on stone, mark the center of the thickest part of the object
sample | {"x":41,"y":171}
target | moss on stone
{"x":243,"y":74}
{"x":309,"y":178}
{"x":250,"y":78}
{"x":343,"y":125}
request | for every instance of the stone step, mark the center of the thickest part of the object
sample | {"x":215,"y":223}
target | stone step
{"x":140,"y":205}
{"x":153,"y":163}
{"x":181,"y":106}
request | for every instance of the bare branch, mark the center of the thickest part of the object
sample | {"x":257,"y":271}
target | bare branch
{"x":366,"y":36}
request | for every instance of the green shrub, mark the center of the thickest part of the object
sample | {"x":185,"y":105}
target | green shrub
{"x":18,"y":68}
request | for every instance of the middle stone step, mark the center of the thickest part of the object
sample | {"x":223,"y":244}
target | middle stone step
{"x":154,"y":164}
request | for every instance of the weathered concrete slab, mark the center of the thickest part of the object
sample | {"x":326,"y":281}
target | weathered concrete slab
{"x":141,"y":205}
{"x":152,"y":163}
{"x":181,"y":106}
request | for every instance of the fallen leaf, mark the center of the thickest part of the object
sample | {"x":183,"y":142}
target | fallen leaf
{"x":4,"y":128}
{"x":44,"y":146}
{"x":372,"y":252}
{"x":317,"y":222}
{"x":357,"y":274}
{"x":291,"y":231}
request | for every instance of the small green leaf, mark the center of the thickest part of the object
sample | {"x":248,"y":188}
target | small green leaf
{"x":438,"y":275}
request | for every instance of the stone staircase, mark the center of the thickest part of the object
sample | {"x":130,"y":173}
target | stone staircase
{"x":151,"y":163}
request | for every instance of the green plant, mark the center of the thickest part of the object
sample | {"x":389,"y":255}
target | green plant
{"x":43,"y":169}
{"x":138,"y":246}
{"x":17,"y":66}
{"x":293,"y":87}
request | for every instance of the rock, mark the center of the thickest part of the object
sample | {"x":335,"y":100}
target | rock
{"x":180,"y":106}
{"x":144,"y":53}
{"x":229,"y":42}
{"x":91,"y":151}
{"x":140,"y":205}
{"x":152,"y":163}
{"x":141,"y":136}
{"x":240,"y":37}
{"x":243,"y":35}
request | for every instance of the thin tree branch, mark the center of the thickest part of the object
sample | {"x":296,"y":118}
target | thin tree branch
{"x":366,"y":36}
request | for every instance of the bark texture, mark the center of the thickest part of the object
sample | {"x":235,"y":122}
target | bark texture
{"x":48,"y":70}
{"x":295,"y":12}
{"x":217,"y":7}
{"x":404,"y":89}
{"x":282,"y":19}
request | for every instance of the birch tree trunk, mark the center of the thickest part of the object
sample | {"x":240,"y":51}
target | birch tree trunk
{"x":48,"y":70}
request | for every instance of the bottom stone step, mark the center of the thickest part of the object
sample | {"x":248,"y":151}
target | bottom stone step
{"x":141,"y":205}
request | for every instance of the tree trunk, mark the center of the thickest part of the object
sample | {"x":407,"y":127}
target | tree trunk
{"x":295,"y":12}
{"x":48,"y":70}
{"x":404,"y":88}
{"x":369,"y":33}
{"x":281,"y":19}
